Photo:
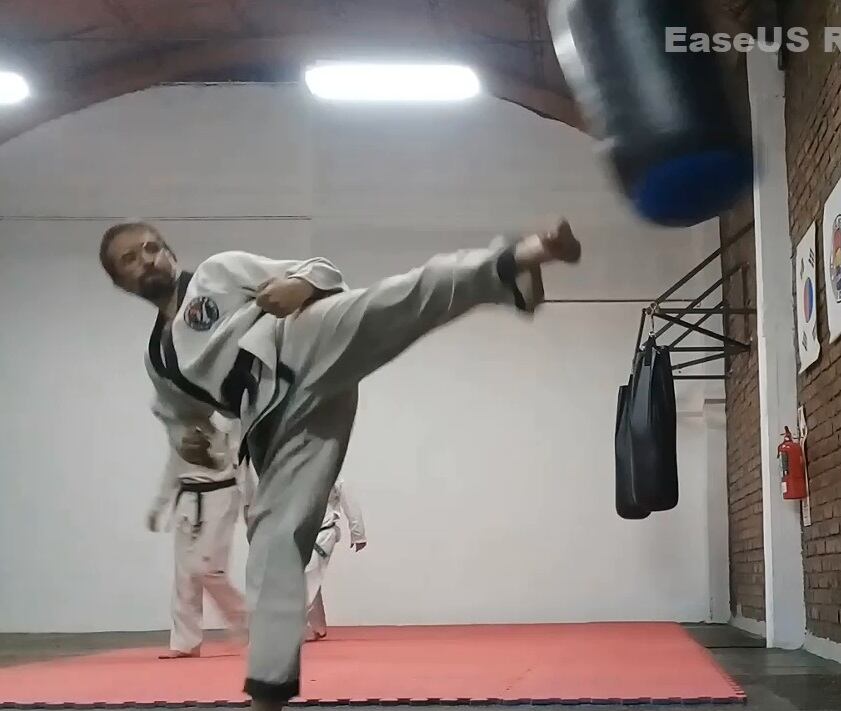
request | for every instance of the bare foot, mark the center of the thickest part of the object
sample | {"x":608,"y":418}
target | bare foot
{"x":175,"y":654}
{"x":559,"y":245}
{"x":562,"y":244}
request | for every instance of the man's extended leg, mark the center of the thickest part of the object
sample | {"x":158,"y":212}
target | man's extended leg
{"x":334,"y":343}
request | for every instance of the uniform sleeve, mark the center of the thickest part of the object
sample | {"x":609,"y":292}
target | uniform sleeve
{"x":168,"y":486}
{"x":352,"y":513}
{"x":249,"y":271}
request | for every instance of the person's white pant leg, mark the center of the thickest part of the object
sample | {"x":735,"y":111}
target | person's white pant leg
{"x":220,"y":512}
{"x":315,"y":572}
{"x":316,"y":618}
{"x":186,"y":604}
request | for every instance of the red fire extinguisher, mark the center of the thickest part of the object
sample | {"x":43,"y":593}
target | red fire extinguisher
{"x":792,"y":467}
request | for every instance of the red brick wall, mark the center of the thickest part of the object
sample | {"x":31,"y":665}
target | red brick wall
{"x":813,"y":123}
{"x":744,"y":477}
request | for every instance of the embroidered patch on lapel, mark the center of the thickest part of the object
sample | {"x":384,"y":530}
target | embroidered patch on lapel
{"x":201,"y":313}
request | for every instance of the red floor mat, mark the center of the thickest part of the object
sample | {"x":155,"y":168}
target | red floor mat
{"x":591,"y":663}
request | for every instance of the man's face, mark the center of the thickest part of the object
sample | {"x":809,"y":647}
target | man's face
{"x":143,"y":265}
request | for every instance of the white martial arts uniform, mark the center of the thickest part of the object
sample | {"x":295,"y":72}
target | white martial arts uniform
{"x":339,"y":505}
{"x":204,"y":505}
{"x":293,"y":383}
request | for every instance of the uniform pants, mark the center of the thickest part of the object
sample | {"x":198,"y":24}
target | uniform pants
{"x":298,"y":448}
{"x":314,"y":573}
{"x":201,"y":564}
{"x":316,"y":617}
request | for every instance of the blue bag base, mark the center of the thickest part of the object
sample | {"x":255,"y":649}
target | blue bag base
{"x":693,"y":188}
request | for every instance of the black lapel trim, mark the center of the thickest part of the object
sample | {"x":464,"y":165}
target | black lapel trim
{"x":286,"y":373}
{"x":167,"y":367}
{"x":174,"y":374}
{"x":155,"y":347}
{"x":158,"y":330}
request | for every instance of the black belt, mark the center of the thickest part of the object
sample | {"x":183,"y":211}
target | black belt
{"x":199,"y":488}
{"x":318,"y":548}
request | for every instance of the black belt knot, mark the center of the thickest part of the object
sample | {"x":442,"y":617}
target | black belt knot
{"x":199,"y":488}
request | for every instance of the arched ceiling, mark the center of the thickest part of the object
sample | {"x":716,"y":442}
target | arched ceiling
{"x":78,"y":52}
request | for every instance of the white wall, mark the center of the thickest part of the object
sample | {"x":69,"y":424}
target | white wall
{"x":483,"y":457}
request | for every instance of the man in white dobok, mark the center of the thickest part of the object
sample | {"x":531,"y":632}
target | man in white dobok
{"x":340,"y":505}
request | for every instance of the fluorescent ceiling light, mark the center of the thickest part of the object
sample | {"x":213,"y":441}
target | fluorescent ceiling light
{"x":392,"y":82}
{"x":13,"y":88}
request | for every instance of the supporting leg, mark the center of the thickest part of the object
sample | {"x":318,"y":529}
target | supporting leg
{"x":303,"y":464}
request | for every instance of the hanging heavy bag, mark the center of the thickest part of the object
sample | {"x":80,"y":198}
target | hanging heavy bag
{"x":653,"y":427}
{"x":625,"y":506}
{"x":664,"y":119}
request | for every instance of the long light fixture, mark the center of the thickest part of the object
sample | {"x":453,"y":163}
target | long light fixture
{"x":13,"y":88}
{"x":347,"y":81}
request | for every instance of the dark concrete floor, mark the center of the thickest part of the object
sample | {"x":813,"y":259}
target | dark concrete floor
{"x":23,"y":648}
{"x":774,"y":680}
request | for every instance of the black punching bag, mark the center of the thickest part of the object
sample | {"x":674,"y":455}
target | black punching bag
{"x":663,"y":119}
{"x":626,"y":505}
{"x":653,"y":430}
